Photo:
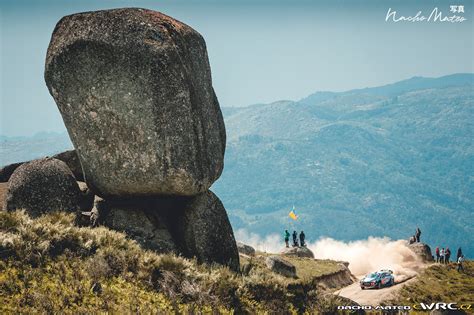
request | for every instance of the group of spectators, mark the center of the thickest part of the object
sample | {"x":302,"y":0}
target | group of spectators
{"x":295,"y":239}
{"x":443,"y":256}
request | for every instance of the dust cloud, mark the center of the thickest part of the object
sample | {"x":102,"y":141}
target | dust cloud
{"x":364,"y":256}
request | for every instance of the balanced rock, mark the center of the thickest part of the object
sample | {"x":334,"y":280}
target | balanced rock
{"x":203,"y":231}
{"x":245,"y":249}
{"x":281,"y":266}
{"x":422,"y":250}
{"x":302,"y":251}
{"x":42,"y":186}
{"x":134,"y":89}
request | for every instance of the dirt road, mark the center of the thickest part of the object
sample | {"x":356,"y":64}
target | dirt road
{"x":373,"y":296}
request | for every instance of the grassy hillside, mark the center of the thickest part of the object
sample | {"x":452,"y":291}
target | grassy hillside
{"x":440,"y":283}
{"x":48,"y":265}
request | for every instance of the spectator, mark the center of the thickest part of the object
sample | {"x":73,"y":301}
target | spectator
{"x":437,"y":254}
{"x":441,"y":255}
{"x":460,"y":262}
{"x":295,"y":239}
{"x":302,"y":238}
{"x":447,"y":254}
{"x":287,"y":238}
{"x":418,"y":234}
{"x":459,"y":253}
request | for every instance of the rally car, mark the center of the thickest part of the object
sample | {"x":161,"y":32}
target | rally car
{"x":379,"y":279}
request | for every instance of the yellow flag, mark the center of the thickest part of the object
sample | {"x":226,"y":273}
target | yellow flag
{"x":293,"y":215}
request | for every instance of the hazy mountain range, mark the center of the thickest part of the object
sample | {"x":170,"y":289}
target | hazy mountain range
{"x":376,"y":161}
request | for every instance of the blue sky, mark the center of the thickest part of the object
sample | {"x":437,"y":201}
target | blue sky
{"x":260,"y":51}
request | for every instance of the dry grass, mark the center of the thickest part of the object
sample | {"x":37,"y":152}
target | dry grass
{"x":48,"y":265}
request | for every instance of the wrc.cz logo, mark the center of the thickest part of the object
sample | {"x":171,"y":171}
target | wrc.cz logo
{"x":441,"y":306}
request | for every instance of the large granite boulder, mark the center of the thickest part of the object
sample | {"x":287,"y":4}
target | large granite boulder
{"x":134,"y":89}
{"x":301,"y":251}
{"x":42,"y":186}
{"x":422,"y":250}
{"x":281,"y":266}
{"x":203,"y":230}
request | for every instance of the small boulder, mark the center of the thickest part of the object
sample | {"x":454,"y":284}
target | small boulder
{"x":422,"y":250}
{"x":281,"y":266}
{"x":134,"y":90}
{"x":42,"y":186}
{"x":297,"y":252}
{"x":245,"y":249}
{"x":203,"y":231}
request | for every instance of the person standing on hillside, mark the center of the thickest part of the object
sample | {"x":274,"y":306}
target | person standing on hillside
{"x":447,"y":254}
{"x":441,"y":255}
{"x":418,"y":234}
{"x":295,"y":239}
{"x":460,"y":262}
{"x":437,"y":254}
{"x":302,"y":238}
{"x":287,"y":238}
{"x":459,"y":253}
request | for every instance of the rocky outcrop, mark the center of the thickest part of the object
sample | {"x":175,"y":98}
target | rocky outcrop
{"x":422,"y":250}
{"x":281,"y":266}
{"x":203,"y":230}
{"x":134,"y":89}
{"x":42,"y":186}
{"x":140,"y":82}
{"x":245,"y":249}
{"x":68,"y":157}
{"x":297,"y":252}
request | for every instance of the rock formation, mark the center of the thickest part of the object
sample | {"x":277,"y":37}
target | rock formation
{"x":422,"y":250}
{"x":281,"y":266}
{"x":245,"y":249}
{"x":41,"y":186}
{"x":297,"y":252}
{"x":203,"y":231}
{"x":134,"y":89}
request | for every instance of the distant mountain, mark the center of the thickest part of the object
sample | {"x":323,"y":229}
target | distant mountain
{"x":376,"y":161}
{"x":16,"y":149}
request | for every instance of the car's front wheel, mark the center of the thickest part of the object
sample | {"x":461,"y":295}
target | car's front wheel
{"x":379,"y":285}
